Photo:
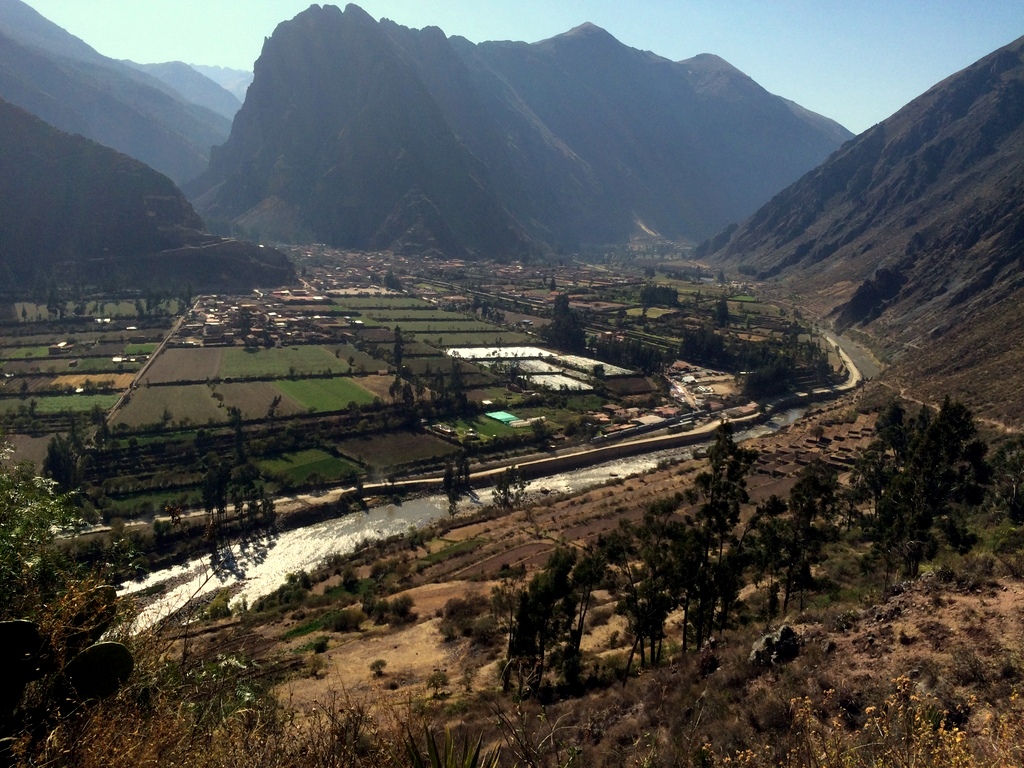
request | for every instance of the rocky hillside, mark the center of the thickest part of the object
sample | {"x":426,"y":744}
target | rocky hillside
{"x":78,"y":213}
{"x":372,"y":135}
{"x":915,"y":230}
{"x":56,"y":76}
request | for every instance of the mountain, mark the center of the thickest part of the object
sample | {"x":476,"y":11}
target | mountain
{"x":59,"y":78}
{"x":193,"y":86}
{"x":914,"y":231}
{"x":234,"y":81}
{"x":78,"y":213}
{"x":372,"y":135}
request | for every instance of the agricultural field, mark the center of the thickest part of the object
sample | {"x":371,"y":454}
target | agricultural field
{"x":187,"y":404}
{"x":60,"y":365}
{"x":140,"y":349}
{"x":279,"y":362}
{"x":297,"y":468}
{"x":185,"y":365}
{"x":430,"y":327}
{"x":106,"y":380}
{"x":379,"y":386}
{"x":400,"y":315}
{"x":362,"y":303}
{"x":497,"y":337}
{"x":382,"y":452}
{"x":60,"y":403}
{"x":254,"y":398}
{"x":25,"y":353}
{"x":28,"y":312}
{"x":325,"y":395}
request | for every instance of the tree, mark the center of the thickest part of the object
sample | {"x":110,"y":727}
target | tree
{"x":641,"y":557}
{"x":398,"y":351}
{"x":31,"y":567}
{"x":937,"y":476}
{"x":720,"y":491}
{"x":1008,"y":478}
{"x":565,"y":330}
{"x":450,"y":486}
{"x":539,"y":617}
{"x":722,"y":313}
{"x":62,"y":462}
{"x":812,"y":503}
{"x":509,"y":489}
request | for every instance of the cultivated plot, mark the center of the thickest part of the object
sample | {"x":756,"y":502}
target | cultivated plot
{"x":300,"y":466}
{"x":385,"y":451}
{"x":185,"y":365}
{"x":279,"y":362}
{"x":324,"y":395}
{"x":60,"y":403}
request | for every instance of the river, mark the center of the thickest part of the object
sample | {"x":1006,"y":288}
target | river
{"x":261,"y":565}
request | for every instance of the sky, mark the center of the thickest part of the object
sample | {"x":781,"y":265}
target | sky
{"x":855,"y":61}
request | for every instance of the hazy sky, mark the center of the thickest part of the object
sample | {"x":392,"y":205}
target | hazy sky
{"x":856,"y":61}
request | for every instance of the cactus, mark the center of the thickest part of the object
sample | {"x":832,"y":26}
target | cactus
{"x":93,"y":673}
{"x":99,"y":670}
{"x":24,"y":647}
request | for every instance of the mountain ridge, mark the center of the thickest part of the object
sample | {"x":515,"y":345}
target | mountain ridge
{"x":75,"y":212}
{"x":914,"y":229}
{"x":555,"y":155}
{"x":61,"y":79}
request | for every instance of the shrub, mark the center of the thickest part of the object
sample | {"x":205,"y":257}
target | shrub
{"x":347,"y":620}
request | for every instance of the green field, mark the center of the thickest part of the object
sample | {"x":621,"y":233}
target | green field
{"x":300,"y":466}
{"x":139,"y":349}
{"x":19,"y":353}
{"x":279,"y":362}
{"x":385,"y":451}
{"x":61,"y":403}
{"x":484,"y":427}
{"x":134,"y":504}
{"x":360,"y":303}
{"x":476,"y":338}
{"x":400,"y":315}
{"x":325,"y":394}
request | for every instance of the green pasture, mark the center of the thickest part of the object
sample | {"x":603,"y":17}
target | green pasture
{"x":60,"y":403}
{"x":325,"y":395}
{"x":132,"y":505}
{"x":25,"y":353}
{"x":361,"y":303}
{"x":140,"y":349}
{"x":399,"y":315}
{"x":298,"y":467}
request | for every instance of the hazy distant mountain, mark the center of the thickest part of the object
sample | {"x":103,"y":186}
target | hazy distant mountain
{"x":56,"y":76}
{"x":194,"y":86}
{"x":77,"y":213}
{"x":914,"y":230}
{"x":235,"y":81}
{"x":373,"y":135}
